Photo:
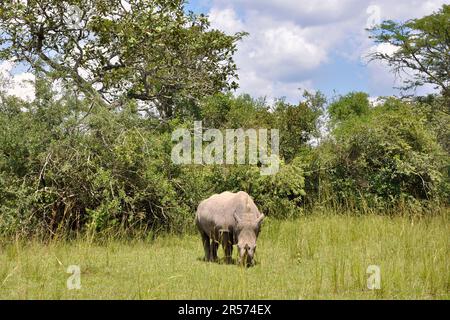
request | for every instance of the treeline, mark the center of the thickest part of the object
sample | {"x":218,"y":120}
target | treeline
{"x":67,"y":166}
{"x":93,"y":153}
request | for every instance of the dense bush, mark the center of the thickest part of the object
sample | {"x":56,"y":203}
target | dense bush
{"x":67,"y":165}
{"x":348,"y":106}
{"x":66,"y":171}
{"x":385,"y":158}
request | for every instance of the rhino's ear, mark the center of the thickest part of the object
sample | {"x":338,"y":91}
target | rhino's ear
{"x":260,"y":219}
{"x":236,"y":217}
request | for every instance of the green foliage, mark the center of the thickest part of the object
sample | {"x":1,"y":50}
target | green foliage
{"x":225,"y":111}
{"x":354,"y":104}
{"x":85,"y":168}
{"x":436,"y":112}
{"x":385,"y":159}
{"x":152,"y":51}
{"x":298,"y":124}
{"x":92,"y":169}
{"x":68,"y":165}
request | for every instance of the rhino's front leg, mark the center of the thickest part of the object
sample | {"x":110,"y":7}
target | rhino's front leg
{"x":227,"y":244}
{"x":213,"y":250}
{"x":229,"y":253}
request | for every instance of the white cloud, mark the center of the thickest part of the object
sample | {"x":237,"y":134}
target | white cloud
{"x":226,"y":20}
{"x":407,"y":9}
{"x":126,"y":5}
{"x":384,"y":48}
{"x":20,"y":85}
{"x":381,"y":79}
{"x":263,"y":87}
{"x":290,"y":39}
{"x":304,"y":12}
{"x":275,"y":58}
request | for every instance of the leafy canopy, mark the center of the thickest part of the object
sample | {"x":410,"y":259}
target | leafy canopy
{"x":422,"y":48}
{"x":149,"y":50}
{"x":352,"y":104}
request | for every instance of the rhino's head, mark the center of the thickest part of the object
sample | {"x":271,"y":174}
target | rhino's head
{"x":247,"y":229}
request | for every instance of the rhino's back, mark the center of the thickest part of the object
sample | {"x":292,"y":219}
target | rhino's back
{"x":217,"y":212}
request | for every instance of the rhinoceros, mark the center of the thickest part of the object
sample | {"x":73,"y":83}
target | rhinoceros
{"x":228,"y":219}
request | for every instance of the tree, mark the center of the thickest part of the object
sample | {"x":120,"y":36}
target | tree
{"x":148,"y":50}
{"x":421,"y":46}
{"x":299,"y":124}
{"x":388,"y":157}
{"x":352,"y":104}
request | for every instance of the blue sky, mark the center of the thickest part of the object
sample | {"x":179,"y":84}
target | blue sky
{"x":310,"y":44}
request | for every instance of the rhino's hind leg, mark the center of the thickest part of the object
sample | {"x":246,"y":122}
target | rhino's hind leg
{"x":206,"y":245}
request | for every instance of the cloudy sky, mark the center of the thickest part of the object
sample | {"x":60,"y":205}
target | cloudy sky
{"x":296,"y":44}
{"x":310,"y":44}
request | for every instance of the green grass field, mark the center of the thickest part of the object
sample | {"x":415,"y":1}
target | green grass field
{"x":312,"y":257}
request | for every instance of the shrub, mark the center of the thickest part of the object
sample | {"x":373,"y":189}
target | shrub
{"x":386,"y":158}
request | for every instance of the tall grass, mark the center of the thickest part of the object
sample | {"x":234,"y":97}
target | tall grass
{"x":322,"y":255}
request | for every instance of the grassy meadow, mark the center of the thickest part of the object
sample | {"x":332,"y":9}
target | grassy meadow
{"x":317,"y":256}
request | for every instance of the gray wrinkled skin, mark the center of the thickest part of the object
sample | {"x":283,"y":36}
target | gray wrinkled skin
{"x":229,"y":219}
